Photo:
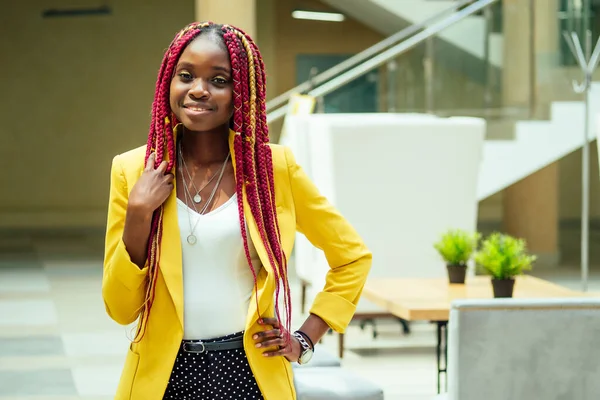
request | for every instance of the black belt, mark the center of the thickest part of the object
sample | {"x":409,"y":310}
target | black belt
{"x":199,"y":347}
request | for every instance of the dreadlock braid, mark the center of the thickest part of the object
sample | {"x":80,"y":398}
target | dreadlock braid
{"x":267,"y":160}
{"x":262,"y":194}
{"x":262,"y":187}
{"x":253,"y":158}
{"x":238,"y":125}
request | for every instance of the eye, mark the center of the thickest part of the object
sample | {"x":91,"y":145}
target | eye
{"x":185,"y":76}
{"x":220,"y":81}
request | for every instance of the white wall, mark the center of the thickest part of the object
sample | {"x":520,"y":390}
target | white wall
{"x":76,"y":92}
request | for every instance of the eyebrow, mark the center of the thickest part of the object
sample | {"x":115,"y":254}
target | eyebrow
{"x":215,"y":67}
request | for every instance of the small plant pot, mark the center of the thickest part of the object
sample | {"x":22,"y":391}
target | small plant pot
{"x":503,"y":287}
{"x":456,"y":273}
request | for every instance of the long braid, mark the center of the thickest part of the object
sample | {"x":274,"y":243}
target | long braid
{"x":254,"y":164}
{"x":249,"y":156}
{"x":267,"y":166}
{"x":256,"y":81}
{"x":238,"y":125}
{"x":264,"y":172}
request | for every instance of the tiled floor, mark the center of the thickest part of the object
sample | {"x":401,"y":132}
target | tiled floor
{"x":57,"y":343}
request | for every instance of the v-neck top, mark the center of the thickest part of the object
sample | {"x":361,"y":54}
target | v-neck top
{"x":217,"y":280}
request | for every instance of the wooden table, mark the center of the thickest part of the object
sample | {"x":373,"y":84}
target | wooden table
{"x":430,"y":300}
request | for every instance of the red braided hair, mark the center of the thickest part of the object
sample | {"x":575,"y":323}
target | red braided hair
{"x":253,"y":158}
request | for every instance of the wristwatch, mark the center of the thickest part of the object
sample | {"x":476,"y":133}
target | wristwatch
{"x":307,"y":350}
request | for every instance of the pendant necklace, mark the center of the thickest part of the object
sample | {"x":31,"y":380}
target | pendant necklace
{"x":196,"y":198}
{"x":191,"y":238}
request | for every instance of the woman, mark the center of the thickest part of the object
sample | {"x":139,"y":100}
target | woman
{"x":201,"y":222}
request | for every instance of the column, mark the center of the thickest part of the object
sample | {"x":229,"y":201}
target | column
{"x":530,"y":206}
{"x":531,"y":213}
{"x":515,"y":68}
{"x":239,"y":13}
{"x":266,"y":36}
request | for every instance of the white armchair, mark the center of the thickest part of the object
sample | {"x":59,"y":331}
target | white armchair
{"x":524,"y":349}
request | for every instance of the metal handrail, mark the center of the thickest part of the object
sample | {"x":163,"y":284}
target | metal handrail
{"x":362,"y":56}
{"x":388,"y":55}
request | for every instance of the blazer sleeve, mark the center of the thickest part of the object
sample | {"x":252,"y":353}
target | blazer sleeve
{"x":123,"y":282}
{"x":348,"y":257}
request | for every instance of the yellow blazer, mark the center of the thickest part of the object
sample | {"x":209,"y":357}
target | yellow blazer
{"x":299,"y":207}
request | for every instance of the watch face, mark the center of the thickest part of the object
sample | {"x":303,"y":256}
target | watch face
{"x":306,"y":356}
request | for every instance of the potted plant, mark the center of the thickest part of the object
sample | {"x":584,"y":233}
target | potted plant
{"x":456,"y":247}
{"x":504,"y":257}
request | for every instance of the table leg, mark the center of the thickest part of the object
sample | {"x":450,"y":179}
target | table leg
{"x":442,"y":353}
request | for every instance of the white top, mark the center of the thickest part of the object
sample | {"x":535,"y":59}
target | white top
{"x":217,"y":280}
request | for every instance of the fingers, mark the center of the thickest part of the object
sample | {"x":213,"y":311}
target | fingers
{"x":281,"y":352}
{"x":150,"y":162}
{"x":269,"y":321}
{"x":272,"y":338}
{"x":279,"y":342}
{"x":287,"y":351}
{"x":162,"y":168}
{"x":169,"y":178}
{"x":269,"y":338}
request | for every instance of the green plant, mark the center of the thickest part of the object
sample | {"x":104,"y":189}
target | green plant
{"x":503,"y":256}
{"x":456,"y":246}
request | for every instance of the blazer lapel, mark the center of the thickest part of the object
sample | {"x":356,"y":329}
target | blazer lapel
{"x":171,"y":265}
{"x":171,"y":260}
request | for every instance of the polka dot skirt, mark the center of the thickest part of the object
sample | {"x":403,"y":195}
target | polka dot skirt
{"x":214,"y":375}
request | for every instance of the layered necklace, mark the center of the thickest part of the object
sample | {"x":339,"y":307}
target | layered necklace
{"x":196,"y":199}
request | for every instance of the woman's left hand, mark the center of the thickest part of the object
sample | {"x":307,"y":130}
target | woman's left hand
{"x":273,"y":338}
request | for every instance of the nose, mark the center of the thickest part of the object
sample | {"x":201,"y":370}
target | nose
{"x":199,"y":89}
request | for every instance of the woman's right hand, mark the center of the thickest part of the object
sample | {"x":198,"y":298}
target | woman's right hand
{"x":152,"y":188}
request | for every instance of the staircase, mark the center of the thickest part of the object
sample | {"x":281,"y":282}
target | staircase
{"x":389,"y":16}
{"x":536,"y":144}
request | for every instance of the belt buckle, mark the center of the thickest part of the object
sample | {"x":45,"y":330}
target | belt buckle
{"x":194,"y":351}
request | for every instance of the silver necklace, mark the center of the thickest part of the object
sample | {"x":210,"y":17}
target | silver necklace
{"x":196,"y":198}
{"x":191,"y":238}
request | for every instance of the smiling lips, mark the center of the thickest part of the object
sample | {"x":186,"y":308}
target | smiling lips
{"x":197,"y":108}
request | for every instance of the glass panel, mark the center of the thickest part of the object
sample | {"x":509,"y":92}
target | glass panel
{"x":509,"y":61}
{"x":457,"y":72}
{"x":359,"y":96}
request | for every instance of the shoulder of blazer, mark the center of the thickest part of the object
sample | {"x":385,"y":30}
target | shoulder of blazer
{"x":132,"y":162}
{"x":133,"y":159}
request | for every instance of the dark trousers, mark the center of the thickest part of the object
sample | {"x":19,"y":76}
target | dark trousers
{"x":213,"y":375}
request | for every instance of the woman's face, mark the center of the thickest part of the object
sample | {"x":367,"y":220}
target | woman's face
{"x":202,"y":86}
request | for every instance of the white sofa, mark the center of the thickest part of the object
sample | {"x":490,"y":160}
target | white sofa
{"x":524,"y":349}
